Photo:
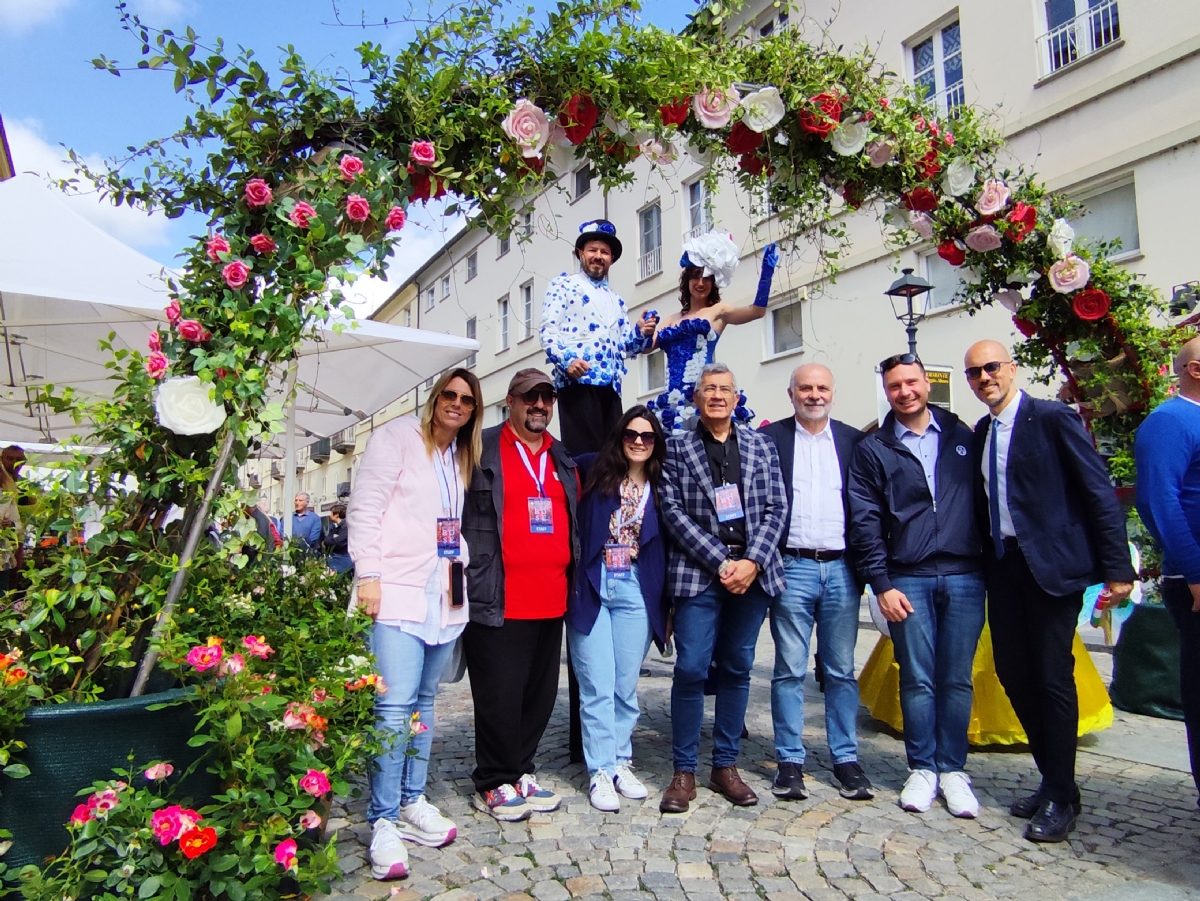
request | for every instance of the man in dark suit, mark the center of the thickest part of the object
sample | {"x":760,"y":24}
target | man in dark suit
{"x":724,"y":507}
{"x":1052,"y":527}
{"x":822,"y":587}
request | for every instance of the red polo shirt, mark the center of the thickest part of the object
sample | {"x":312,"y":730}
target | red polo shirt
{"x":535,"y":564}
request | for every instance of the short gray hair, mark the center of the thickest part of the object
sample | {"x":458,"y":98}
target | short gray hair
{"x":304,"y":494}
{"x":716,"y":369}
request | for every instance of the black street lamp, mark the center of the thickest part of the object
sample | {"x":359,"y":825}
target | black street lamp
{"x":910,"y":286}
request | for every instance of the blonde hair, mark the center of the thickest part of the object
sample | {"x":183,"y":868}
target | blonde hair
{"x":470,"y":440}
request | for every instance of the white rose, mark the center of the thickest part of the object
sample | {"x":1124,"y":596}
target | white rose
{"x":896,"y":217}
{"x":849,"y":138}
{"x":185,"y":406}
{"x":762,"y":110}
{"x":1061,"y":238}
{"x":960,"y":176}
{"x":1011,"y":300}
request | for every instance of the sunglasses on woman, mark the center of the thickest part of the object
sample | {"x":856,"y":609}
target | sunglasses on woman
{"x":632,"y":437}
{"x":450,"y":396}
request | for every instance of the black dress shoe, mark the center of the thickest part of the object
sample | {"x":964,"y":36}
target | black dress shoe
{"x":789,"y":782}
{"x":1026,"y":807}
{"x":1053,"y":822}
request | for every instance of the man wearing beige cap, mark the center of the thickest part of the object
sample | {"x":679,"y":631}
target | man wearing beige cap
{"x":519,"y":522}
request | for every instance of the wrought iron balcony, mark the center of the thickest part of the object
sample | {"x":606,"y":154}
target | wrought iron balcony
{"x":343,"y":441}
{"x":318,"y":451}
{"x":1080,"y":37}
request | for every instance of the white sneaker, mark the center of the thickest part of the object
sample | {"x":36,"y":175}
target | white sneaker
{"x":628,"y":784}
{"x":956,"y":789}
{"x":424,"y":824}
{"x":919,"y":791}
{"x":602,"y":794}
{"x":389,"y":857}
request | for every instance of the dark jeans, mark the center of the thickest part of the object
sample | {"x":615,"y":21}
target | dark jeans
{"x":1178,"y":598}
{"x":1032,"y":637}
{"x":586,"y":416}
{"x":514,"y":681}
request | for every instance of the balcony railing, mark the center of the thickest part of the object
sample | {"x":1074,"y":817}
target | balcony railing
{"x":318,"y":451}
{"x":343,"y":441}
{"x":301,"y":459}
{"x":951,"y":100}
{"x":701,"y":228}
{"x":343,"y":489}
{"x":650,"y":263}
{"x":1091,"y":30}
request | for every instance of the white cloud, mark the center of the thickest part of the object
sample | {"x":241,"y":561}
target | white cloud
{"x":21,"y":15}
{"x":151,"y":9}
{"x":32,"y":153}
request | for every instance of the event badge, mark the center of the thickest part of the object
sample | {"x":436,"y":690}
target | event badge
{"x":729,"y":504}
{"x":541,"y":516}
{"x":448,"y":531}
{"x":618,"y":560}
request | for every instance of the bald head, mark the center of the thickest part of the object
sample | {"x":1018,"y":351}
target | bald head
{"x":1187,"y":367}
{"x":986,"y":350}
{"x":811,"y":393}
{"x":991,"y":373}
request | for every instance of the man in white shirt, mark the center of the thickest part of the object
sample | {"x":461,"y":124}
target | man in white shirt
{"x":822,"y":588}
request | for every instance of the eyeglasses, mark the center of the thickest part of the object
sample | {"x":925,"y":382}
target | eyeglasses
{"x":450,"y":396}
{"x":898,"y":360}
{"x":974,"y":372}
{"x":545,"y":395}
{"x":723,"y":390}
{"x":632,"y":437}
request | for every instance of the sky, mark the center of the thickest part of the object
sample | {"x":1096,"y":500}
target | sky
{"x":52,"y":97}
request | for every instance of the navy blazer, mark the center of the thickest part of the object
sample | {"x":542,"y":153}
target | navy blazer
{"x":595,"y":511}
{"x":1068,"y":521}
{"x":845,"y":439}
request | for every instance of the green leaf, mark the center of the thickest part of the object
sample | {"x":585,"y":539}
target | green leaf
{"x":150,"y":887}
{"x":16,"y":771}
{"x":233,"y":726}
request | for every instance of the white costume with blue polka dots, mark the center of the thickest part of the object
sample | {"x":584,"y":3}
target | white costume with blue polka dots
{"x":585,"y":320}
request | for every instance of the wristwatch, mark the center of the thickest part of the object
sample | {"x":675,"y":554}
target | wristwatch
{"x":724,"y":567}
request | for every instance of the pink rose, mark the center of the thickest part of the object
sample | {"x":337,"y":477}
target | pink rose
{"x":236,"y":274}
{"x":358,"y":209}
{"x":528,"y":126}
{"x":302,"y":214}
{"x":258,"y":193}
{"x":156,"y":365}
{"x":395,"y":220}
{"x":319,"y":695}
{"x":993,"y":198}
{"x":294,"y":716}
{"x":171,"y":822}
{"x":1069,"y":275}
{"x":257,"y":647}
{"x":315,"y":782}
{"x":103,"y":801}
{"x":155,"y":340}
{"x":310,"y":819}
{"x":263,"y":244}
{"x":234,"y":663}
{"x":879,"y":153}
{"x":350,"y":166}
{"x":158,"y":772}
{"x":217,"y":245}
{"x":204,"y":656}
{"x":983,"y":238}
{"x":191,"y":330}
{"x":82,"y":814}
{"x":423,"y":153}
{"x":285,"y":854}
{"x":714,"y":107}
{"x":922,"y":224}
{"x":173,"y":312}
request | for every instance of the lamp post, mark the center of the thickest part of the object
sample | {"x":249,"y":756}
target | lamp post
{"x":909,"y":286}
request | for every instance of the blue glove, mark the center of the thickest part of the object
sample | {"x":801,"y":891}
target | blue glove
{"x":770,"y":261}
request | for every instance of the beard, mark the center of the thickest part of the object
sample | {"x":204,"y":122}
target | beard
{"x":813,"y":412}
{"x":536,"y":422}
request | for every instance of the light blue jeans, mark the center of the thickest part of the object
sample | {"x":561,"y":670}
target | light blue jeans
{"x":411,"y":670}
{"x":607,"y":662}
{"x":826,"y":594}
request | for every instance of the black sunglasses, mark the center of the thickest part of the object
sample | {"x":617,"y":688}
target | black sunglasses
{"x":974,"y":372}
{"x":450,"y":396}
{"x":546,"y":395}
{"x":898,"y":360}
{"x":632,"y":436}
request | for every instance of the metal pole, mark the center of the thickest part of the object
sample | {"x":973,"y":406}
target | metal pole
{"x":289,"y":453}
{"x":911,"y":328}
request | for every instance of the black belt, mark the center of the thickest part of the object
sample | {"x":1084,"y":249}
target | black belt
{"x":812,"y":554}
{"x":735,"y":551}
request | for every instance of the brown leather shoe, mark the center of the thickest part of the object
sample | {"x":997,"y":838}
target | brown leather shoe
{"x":726,"y":781}
{"x":681,"y":790}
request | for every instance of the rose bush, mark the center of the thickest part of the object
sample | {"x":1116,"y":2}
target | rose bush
{"x":186,"y":406}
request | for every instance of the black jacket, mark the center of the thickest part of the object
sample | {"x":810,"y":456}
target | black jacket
{"x":895,"y":526}
{"x":483,"y":526}
{"x":337,"y":539}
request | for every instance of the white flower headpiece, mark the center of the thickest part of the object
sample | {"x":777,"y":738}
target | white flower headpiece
{"x":716,"y":253}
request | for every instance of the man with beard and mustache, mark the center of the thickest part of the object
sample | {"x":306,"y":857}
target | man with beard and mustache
{"x":822,"y":588}
{"x":519,"y":522}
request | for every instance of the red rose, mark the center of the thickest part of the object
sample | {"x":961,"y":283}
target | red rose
{"x":196,"y":841}
{"x":674,"y":113}
{"x":1023,"y":218}
{"x":358,"y":209}
{"x":752,"y":163}
{"x":1026,"y":327}
{"x":217,"y":245}
{"x":263,"y":244}
{"x":532,"y":163}
{"x":236,"y":274}
{"x":578,"y":117}
{"x":742,"y":139}
{"x":618,"y":149}
{"x":1091,"y":304}
{"x":920,"y":200}
{"x":425,"y":186}
{"x":825,"y":118}
{"x":952,"y":252}
{"x":853,"y":192}
{"x":395,"y":220}
{"x":191,"y":330}
{"x":929,"y":166}
{"x":258,"y":193}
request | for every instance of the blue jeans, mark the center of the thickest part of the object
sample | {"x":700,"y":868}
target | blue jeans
{"x":824,"y":593}
{"x":607,"y":663}
{"x":935,"y":648}
{"x":714,"y":626}
{"x":411,"y":670}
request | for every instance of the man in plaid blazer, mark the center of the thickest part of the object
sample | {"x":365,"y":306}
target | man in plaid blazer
{"x":723,"y":504}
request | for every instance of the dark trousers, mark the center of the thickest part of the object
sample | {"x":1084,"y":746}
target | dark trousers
{"x":514,"y":681}
{"x":1178,"y":598}
{"x":586,"y":416}
{"x":1032,"y":637}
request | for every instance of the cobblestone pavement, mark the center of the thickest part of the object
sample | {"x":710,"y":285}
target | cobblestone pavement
{"x":1137,"y":840}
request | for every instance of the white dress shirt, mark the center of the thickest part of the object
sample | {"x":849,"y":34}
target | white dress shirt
{"x":818,"y":516}
{"x":1006,"y":420}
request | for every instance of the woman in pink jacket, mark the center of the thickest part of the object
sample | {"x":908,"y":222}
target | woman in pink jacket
{"x":409,"y":560}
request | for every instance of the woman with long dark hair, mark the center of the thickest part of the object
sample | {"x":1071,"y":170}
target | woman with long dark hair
{"x":618,"y":603}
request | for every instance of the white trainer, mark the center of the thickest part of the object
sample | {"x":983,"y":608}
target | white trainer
{"x":919,"y":791}
{"x":956,"y":789}
{"x":389,"y":857}
{"x":628,"y":784}
{"x":424,"y":824}
{"x":602,"y":794}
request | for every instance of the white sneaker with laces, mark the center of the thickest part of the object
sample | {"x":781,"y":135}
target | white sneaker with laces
{"x":389,"y":857}
{"x":919,"y":791}
{"x":602,"y":794}
{"x":424,"y":824}
{"x":628,"y":784}
{"x":956,"y":789}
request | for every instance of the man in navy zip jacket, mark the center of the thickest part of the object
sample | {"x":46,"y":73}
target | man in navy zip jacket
{"x":914,"y":536}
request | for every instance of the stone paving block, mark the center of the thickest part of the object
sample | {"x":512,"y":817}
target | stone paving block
{"x":550,"y":891}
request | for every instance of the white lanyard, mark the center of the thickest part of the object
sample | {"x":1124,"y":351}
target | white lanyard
{"x":449,"y":501}
{"x":540,"y":478}
{"x":641,"y":510}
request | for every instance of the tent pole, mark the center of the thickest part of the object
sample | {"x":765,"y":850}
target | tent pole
{"x":289,"y":453}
